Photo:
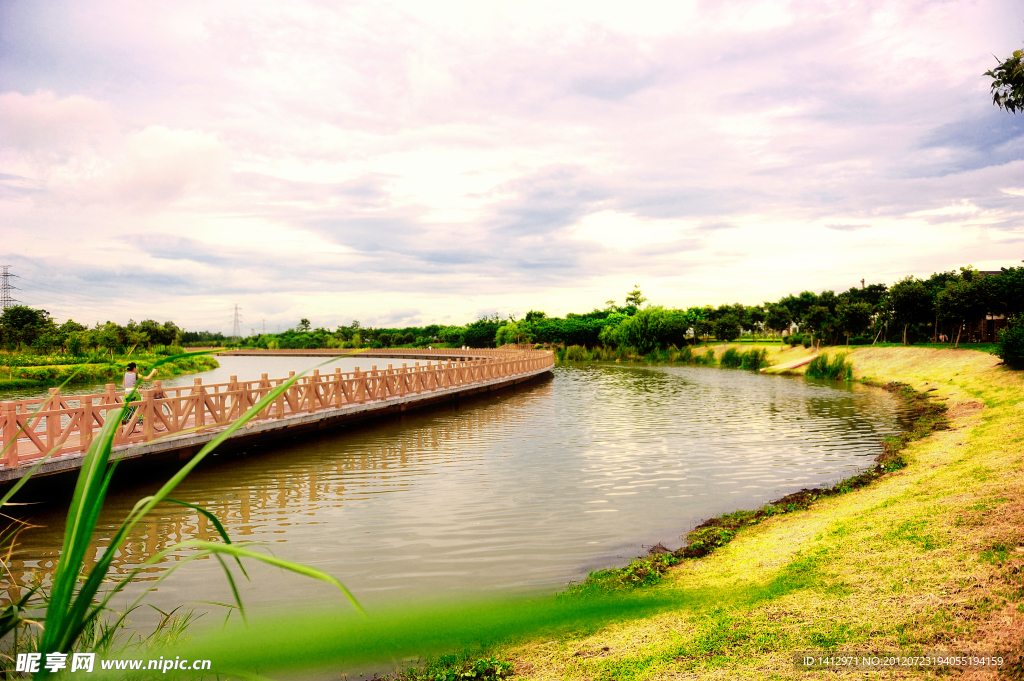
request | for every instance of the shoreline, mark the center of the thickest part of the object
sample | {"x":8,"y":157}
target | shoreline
{"x":926,"y":554}
{"x":49,"y":375}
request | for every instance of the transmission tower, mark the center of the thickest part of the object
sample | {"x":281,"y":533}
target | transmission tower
{"x":236,"y":330}
{"x":6,"y":300}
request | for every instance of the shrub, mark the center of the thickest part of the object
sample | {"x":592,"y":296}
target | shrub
{"x":707,"y":359}
{"x":860,"y":340}
{"x":732,"y":359}
{"x":576,"y":353}
{"x":1011,"y":344}
{"x":806,"y":342}
{"x":685,"y":355}
{"x":755,"y":359}
{"x":834,"y":368}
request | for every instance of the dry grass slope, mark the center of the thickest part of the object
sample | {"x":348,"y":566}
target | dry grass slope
{"x":929,"y":557}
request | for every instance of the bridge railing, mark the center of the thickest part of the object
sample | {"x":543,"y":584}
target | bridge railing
{"x":67,"y":424}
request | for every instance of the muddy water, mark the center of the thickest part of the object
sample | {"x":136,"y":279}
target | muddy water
{"x":520,"y":492}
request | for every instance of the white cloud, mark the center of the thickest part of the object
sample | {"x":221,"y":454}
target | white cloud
{"x":468,"y":156}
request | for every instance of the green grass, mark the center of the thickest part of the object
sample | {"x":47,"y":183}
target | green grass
{"x":92,"y":372}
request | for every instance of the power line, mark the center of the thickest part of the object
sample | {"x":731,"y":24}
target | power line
{"x":6,"y":300}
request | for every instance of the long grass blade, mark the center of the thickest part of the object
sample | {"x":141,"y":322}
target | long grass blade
{"x":217,"y":525}
{"x":236,"y":550}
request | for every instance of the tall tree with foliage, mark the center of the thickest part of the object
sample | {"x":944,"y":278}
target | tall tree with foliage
{"x":1008,"y":83}
{"x":962,"y":302}
{"x":909,"y":302}
{"x":777,"y":318}
{"x":635,"y":298}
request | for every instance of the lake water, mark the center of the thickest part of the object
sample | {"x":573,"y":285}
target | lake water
{"x":520,"y":492}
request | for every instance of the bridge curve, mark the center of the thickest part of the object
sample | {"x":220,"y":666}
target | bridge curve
{"x":177,"y":422}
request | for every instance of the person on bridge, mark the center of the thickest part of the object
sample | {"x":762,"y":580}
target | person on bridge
{"x":131,"y":377}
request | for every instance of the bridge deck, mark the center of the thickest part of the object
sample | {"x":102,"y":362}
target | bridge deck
{"x":178,"y":419}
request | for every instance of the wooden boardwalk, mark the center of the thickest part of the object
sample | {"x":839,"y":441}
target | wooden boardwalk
{"x":169,"y":420}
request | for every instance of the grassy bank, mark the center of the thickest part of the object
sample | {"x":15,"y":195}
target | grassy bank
{"x":55,"y":374}
{"x":925,"y":557}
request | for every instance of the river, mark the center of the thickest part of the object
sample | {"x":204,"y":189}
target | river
{"x":518,"y":493}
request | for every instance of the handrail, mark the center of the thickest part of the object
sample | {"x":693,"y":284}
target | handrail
{"x":66,"y":424}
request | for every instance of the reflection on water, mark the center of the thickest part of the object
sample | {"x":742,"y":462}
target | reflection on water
{"x":524,"y":491}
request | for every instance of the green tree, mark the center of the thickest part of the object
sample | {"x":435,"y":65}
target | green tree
{"x":853,"y":318}
{"x":304,"y":325}
{"x":481,"y":333}
{"x":727,"y":327}
{"x":819,"y":320}
{"x":644,"y":329}
{"x":635,"y":298}
{"x":909,"y":302}
{"x":1008,"y":83}
{"x":1007,"y":291}
{"x":535,"y":316}
{"x":777,"y":317}
{"x":963,"y":302}
{"x":21,"y":325}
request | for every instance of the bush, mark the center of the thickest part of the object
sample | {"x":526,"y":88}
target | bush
{"x":834,"y":368}
{"x":806,"y":342}
{"x":685,"y":355}
{"x":576,"y":353}
{"x":1011,"y":344}
{"x":732,"y":359}
{"x":754,"y":359}
{"x":707,"y":359}
{"x":860,"y":340}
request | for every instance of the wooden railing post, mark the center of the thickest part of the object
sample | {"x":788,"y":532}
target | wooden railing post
{"x":148,"y":414}
{"x":233,"y":399}
{"x":360,"y":386}
{"x":85,"y":425}
{"x":52,"y":404}
{"x":11,"y":434}
{"x":313,"y":390}
{"x":199,"y":413}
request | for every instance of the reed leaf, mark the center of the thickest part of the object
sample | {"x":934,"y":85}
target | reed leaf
{"x":72,"y":608}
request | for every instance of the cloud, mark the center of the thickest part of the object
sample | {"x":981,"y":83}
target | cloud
{"x":351,"y":160}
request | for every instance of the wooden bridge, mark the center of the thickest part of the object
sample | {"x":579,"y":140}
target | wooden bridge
{"x":179,"y":421}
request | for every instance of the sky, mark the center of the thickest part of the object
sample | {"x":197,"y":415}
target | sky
{"x":407,"y":163}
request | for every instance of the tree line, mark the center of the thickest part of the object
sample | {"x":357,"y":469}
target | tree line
{"x":912,"y":310}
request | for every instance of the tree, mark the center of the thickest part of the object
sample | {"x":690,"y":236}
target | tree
{"x":819,"y":320}
{"x":1007,"y":290}
{"x":853,"y":318}
{"x":304,"y":325}
{"x":727,"y":327}
{"x":1008,"y":83}
{"x":635,"y":298}
{"x":23,"y":325}
{"x":777,"y":317}
{"x":963,"y":302}
{"x":535,"y":316}
{"x":644,"y":329}
{"x":909,"y":302}
{"x":480,"y":334}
